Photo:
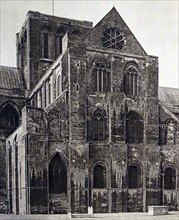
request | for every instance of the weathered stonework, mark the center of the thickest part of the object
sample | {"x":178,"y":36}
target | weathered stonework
{"x":101,"y":140}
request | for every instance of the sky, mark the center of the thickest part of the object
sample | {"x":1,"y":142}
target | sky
{"x":155,"y":24}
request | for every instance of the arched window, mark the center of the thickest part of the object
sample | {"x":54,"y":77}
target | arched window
{"x":98,"y":125}
{"x":57,"y":176}
{"x":101,"y":78}
{"x":130,"y":80}
{"x":170,"y":132}
{"x":170,"y":178}
{"x":9,"y":119}
{"x":99,"y":176}
{"x":45,"y":45}
{"x":60,"y":34}
{"x":134,"y":128}
{"x":134,"y":176}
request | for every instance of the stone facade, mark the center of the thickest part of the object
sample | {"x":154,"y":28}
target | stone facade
{"x":92,"y":130}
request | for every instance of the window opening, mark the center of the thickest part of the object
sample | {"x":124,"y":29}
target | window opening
{"x":134,"y":176}
{"x":9,"y":120}
{"x":134,"y":129}
{"x":114,"y":39}
{"x":130,"y":81}
{"x":170,"y":178}
{"x":98,"y":126}
{"x":99,"y":176}
{"x":57,"y":176}
{"x":45,"y":45}
{"x":101,"y":77}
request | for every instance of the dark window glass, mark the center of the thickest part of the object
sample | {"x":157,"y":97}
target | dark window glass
{"x":98,"y":126}
{"x":130,"y":81}
{"x":45,"y":46}
{"x":170,"y":178}
{"x":60,"y":44}
{"x":134,"y":176}
{"x":134,"y":129}
{"x":57,"y":176}
{"x":9,"y":120}
{"x":99,"y":176}
{"x":102,"y":81}
{"x":95,"y":79}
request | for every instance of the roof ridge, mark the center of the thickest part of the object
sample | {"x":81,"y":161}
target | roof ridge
{"x":8,"y":66}
{"x":168,"y":87}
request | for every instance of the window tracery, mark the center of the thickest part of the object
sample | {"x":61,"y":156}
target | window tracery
{"x":98,"y":125}
{"x":131,"y":80}
{"x":57,"y":176}
{"x":113,"y":38}
{"x":101,"y":76}
{"x":134,"y":128}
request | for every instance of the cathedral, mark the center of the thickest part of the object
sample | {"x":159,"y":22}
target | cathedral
{"x":83,"y":122}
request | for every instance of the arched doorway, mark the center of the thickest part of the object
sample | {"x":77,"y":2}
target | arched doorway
{"x":58,"y":200}
{"x":135,"y":192}
{"x":100,"y":193}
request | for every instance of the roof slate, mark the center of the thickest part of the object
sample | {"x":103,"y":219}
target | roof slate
{"x":10,"y":78}
{"x":169,"y":96}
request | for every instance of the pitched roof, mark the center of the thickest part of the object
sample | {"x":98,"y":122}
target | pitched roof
{"x":170,"y":97}
{"x":113,"y":19}
{"x":10,"y":78}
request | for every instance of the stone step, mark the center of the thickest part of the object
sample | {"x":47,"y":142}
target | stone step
{"x":81,"y":216}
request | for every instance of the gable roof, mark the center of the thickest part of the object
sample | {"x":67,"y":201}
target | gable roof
{"x":170,"y":97}
{"x":11,"y":78}
{"x":114,"y":20}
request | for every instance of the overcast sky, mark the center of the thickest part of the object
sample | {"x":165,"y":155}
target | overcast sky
{"x":154,"y":23}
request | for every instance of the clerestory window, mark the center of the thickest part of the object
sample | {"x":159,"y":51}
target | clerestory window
{"x":60,"y":34}
{"x":98,"y":125}
{"x":134,"y":128}
{"x":102,"y":80}
{"x":45,"y":45}
{"x":130,"y":81}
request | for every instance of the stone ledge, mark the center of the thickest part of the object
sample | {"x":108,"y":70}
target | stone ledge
{"x":158,"y":210}
{"x":82,"y":216}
